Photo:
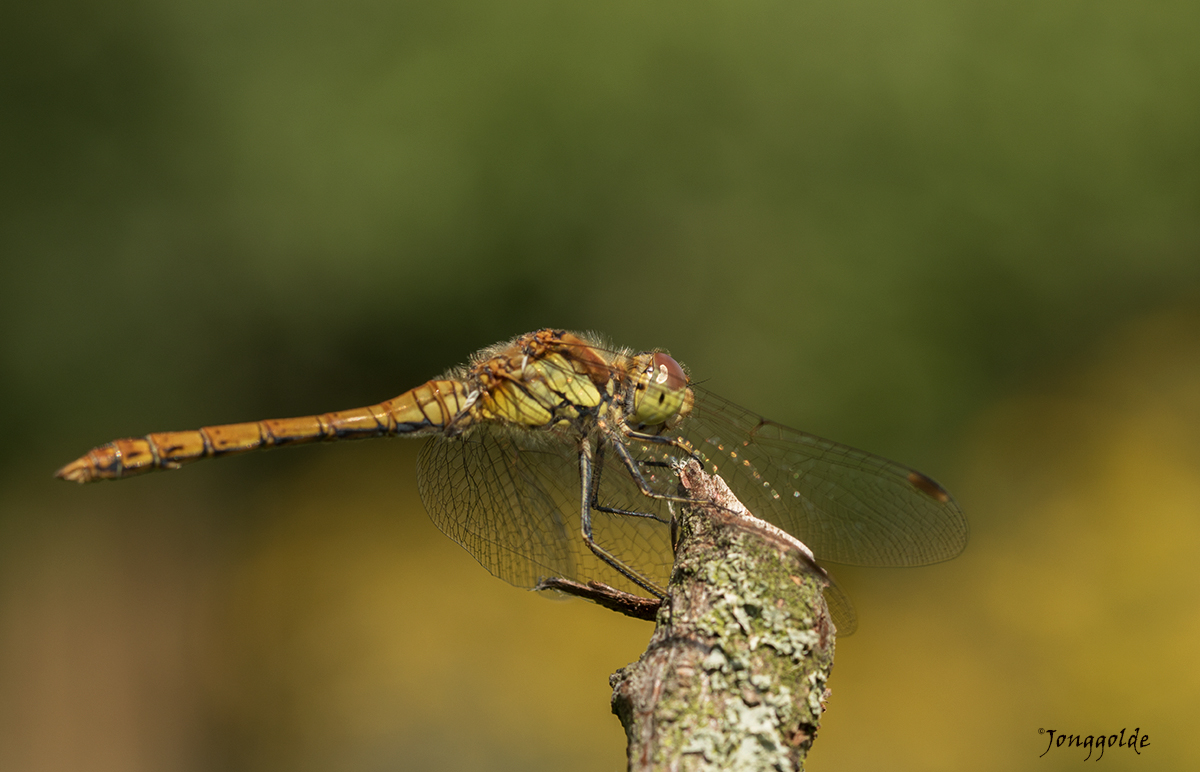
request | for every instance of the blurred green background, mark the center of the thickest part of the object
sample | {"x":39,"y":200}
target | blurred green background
{"x":963,"y":235}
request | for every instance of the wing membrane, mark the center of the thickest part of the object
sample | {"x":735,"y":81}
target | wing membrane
{"x":512,"y":499}
{"x":847,"y":505}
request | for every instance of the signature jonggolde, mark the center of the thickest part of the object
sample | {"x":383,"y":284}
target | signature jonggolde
{"x":1091,"y":742}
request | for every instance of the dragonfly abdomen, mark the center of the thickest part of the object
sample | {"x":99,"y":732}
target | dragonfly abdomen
{"x":426,"y":409}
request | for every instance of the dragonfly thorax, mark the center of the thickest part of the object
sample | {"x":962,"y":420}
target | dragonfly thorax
{"x":536,"y":390}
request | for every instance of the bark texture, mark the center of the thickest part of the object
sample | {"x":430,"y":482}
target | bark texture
{"x":734,"y":676}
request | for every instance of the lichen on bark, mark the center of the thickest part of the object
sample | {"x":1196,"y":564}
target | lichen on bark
{"x":734,"y":677}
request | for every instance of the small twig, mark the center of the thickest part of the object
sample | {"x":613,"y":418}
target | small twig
{"x":611,"y":598}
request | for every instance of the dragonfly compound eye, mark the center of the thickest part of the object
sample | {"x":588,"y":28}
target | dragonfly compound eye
{"x":660,"y":392}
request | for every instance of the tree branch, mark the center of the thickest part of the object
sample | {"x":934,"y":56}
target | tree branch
{"x":734,"y":676}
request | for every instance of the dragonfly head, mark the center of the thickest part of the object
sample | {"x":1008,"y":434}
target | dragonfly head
{"x":659,"y":389}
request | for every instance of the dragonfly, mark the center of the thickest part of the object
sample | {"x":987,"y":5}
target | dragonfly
{"x":554,"y":455}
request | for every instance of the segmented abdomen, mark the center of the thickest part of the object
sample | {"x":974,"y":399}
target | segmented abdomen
{"x":429,"y":408}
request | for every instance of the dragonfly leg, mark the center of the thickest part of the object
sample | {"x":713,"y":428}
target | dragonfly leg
{"x":658,"y":439}
{"x":588,"y":487}
{"x":627,"y":513}
{"x":643,"y":484}
{"x":598,"y":471}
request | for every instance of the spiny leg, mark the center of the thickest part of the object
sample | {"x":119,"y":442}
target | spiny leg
{"x":588,"y":490}
{"x":598,"y":471}
{"x":632,"y":464}
{"x":658,"y":439}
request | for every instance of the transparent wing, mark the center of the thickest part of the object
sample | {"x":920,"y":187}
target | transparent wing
{"x":848,"y":506}
{"x":512,"y":499}
{"x":845,"y":619}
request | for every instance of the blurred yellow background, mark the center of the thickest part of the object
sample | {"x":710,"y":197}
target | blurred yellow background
{"x":961,"y":235}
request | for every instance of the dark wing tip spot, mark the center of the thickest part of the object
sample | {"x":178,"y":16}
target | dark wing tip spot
{"x":927,"y":486}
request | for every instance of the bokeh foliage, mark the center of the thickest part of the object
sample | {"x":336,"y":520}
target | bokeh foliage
{"x":882,"y":223}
